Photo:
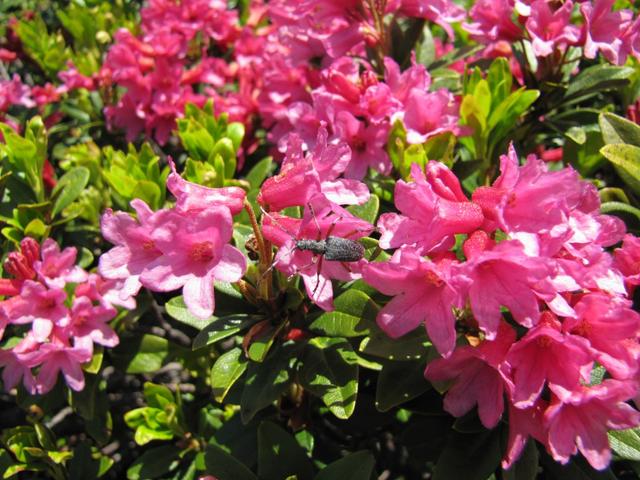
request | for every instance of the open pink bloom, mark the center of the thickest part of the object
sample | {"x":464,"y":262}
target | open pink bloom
{"x":476,"y":377}
{"x":60,"y":355}
{"x":544,"y":355}
{"x":303,"y":176}
{"x":581,"y":421}
{"x":612,"y":328}
{"x":91,"y":321}
{"x":442,"y":12}
{"x":505,"y":276}
{"x":106,"y":292}
{"x":509,"y":201}
{"x":427,"y":114}
{"x":605,"y":30}
{"x":321,"y":219}
{"x":195,"y":252}
{"x":427,"y":220}
{"x":423,"y":291}
{"x":627,"y":259}
{"x":42,"y":307}
{"x":492,"y":21}
{"x":58,"y":268}
{"x":550,"y":30}
{"x":135,"y":247}
{"x":194,"y":198}
{"x":16,"y":363}
{"x":401,"y":84}
{"x":524,"y":423}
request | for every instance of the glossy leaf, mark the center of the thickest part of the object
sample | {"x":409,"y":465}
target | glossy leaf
{"x":354,"y":311}
{"x":228,"y":368}
{"x":330,"y":371}
{"x":626,"y":159}
{"x":356,"y":466}
{"x":400,"y":382}
{"x":224,"y":467}
{"x":280,"y":456}
{"x":221,"y":328}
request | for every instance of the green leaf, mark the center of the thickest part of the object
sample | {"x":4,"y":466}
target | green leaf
{"x":177,"y":309}
{"x":619,"y":207}
{"x":354,"y":311}
{"x":266,"y":381}
{"x":154,"y":463}
{"x":426,"y":50}
{"x":356,"y":466}
{"x":68,"y":188}
{"x":400,"y":382}
{"x":626,"y":443}
{"x":616,"y":129}
{"x":228,"y":368}
{"x":222,"y":327}
{"x":141,"y":354}
{"x":259,"y":172}
{"x":224,"y":467}
{"x":330,"y":371}
{"x":36,"y":228}
{"x":157,"y":396}
{"x":411,"y":346}
{"x":280,"y":456}
{"x":626,"y":159}
{"x":368,"y":211}
{"x":598,"y":78}
{"x":470,"y":456}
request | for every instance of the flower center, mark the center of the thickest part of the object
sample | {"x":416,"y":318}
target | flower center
{"x":148,"y":245}
{"x":202,"y":252}
{"x":432,"y":278}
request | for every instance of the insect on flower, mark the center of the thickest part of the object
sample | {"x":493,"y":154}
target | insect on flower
{"x":321,"y":246}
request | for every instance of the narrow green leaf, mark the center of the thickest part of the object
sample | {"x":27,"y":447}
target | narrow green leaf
{"x":356,"y":466}
{"x":266,"y":381}
{"x":597,"y":78}
{"x":616,"y":129}
{"x":221,"y":328}
{"x":68,"y":188}
{"x":154,"y":463}
{"x":354,"y":312}
{"x":330,"y":371}
{"x":626,"y":443}
{"x":470,"y":456}
{"x":526,"y":467}
{"x":280,"y":456}
{"x":259,"y":172}
{"x":228,"y":368}
{"x":224,"y":467}
{"x":400,"y":382}
{"x":411,"y":346}
{"x":626,"y":159}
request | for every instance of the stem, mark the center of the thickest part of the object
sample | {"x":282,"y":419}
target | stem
{"x":264,"y":250}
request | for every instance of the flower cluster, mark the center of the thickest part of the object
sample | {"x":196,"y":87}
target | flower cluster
{"x":53,"y":315}
{"x":158,"y":69}
{"x":182,"y":247}
{"x":535,"y":245}
{"x":550,"y":29}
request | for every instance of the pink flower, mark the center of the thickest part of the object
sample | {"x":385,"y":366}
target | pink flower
{"x":611,"y":327}
{"x":193,"y":198}
{"x":627,"y":259}
{"x":321,"y":218}
{"x":604,"y":30}
{"x":543,"y":355}
{"x":550,"y":29}
{"x":423,"y":291}
{"x":427,"y":220}
{"x":505,"y":276}
{"x":195,"y":252}
{"x":91,"y":321}
{"x":509,"y":201}
{"x":16,"y":364}
{"x":492,"y":21}
{"x":58,"y":268}
{"x":475,"y":376}
{"x":59,"y":355}
{"x":428,"y":114}
{"x":442,"y":12}
{"x":42,"y":307}
{"x":581,"y":421}
{"x":524,"y":423}
{"x":135,"y":247}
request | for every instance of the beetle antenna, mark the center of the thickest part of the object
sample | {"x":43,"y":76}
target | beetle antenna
{"x":273,"y":219}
